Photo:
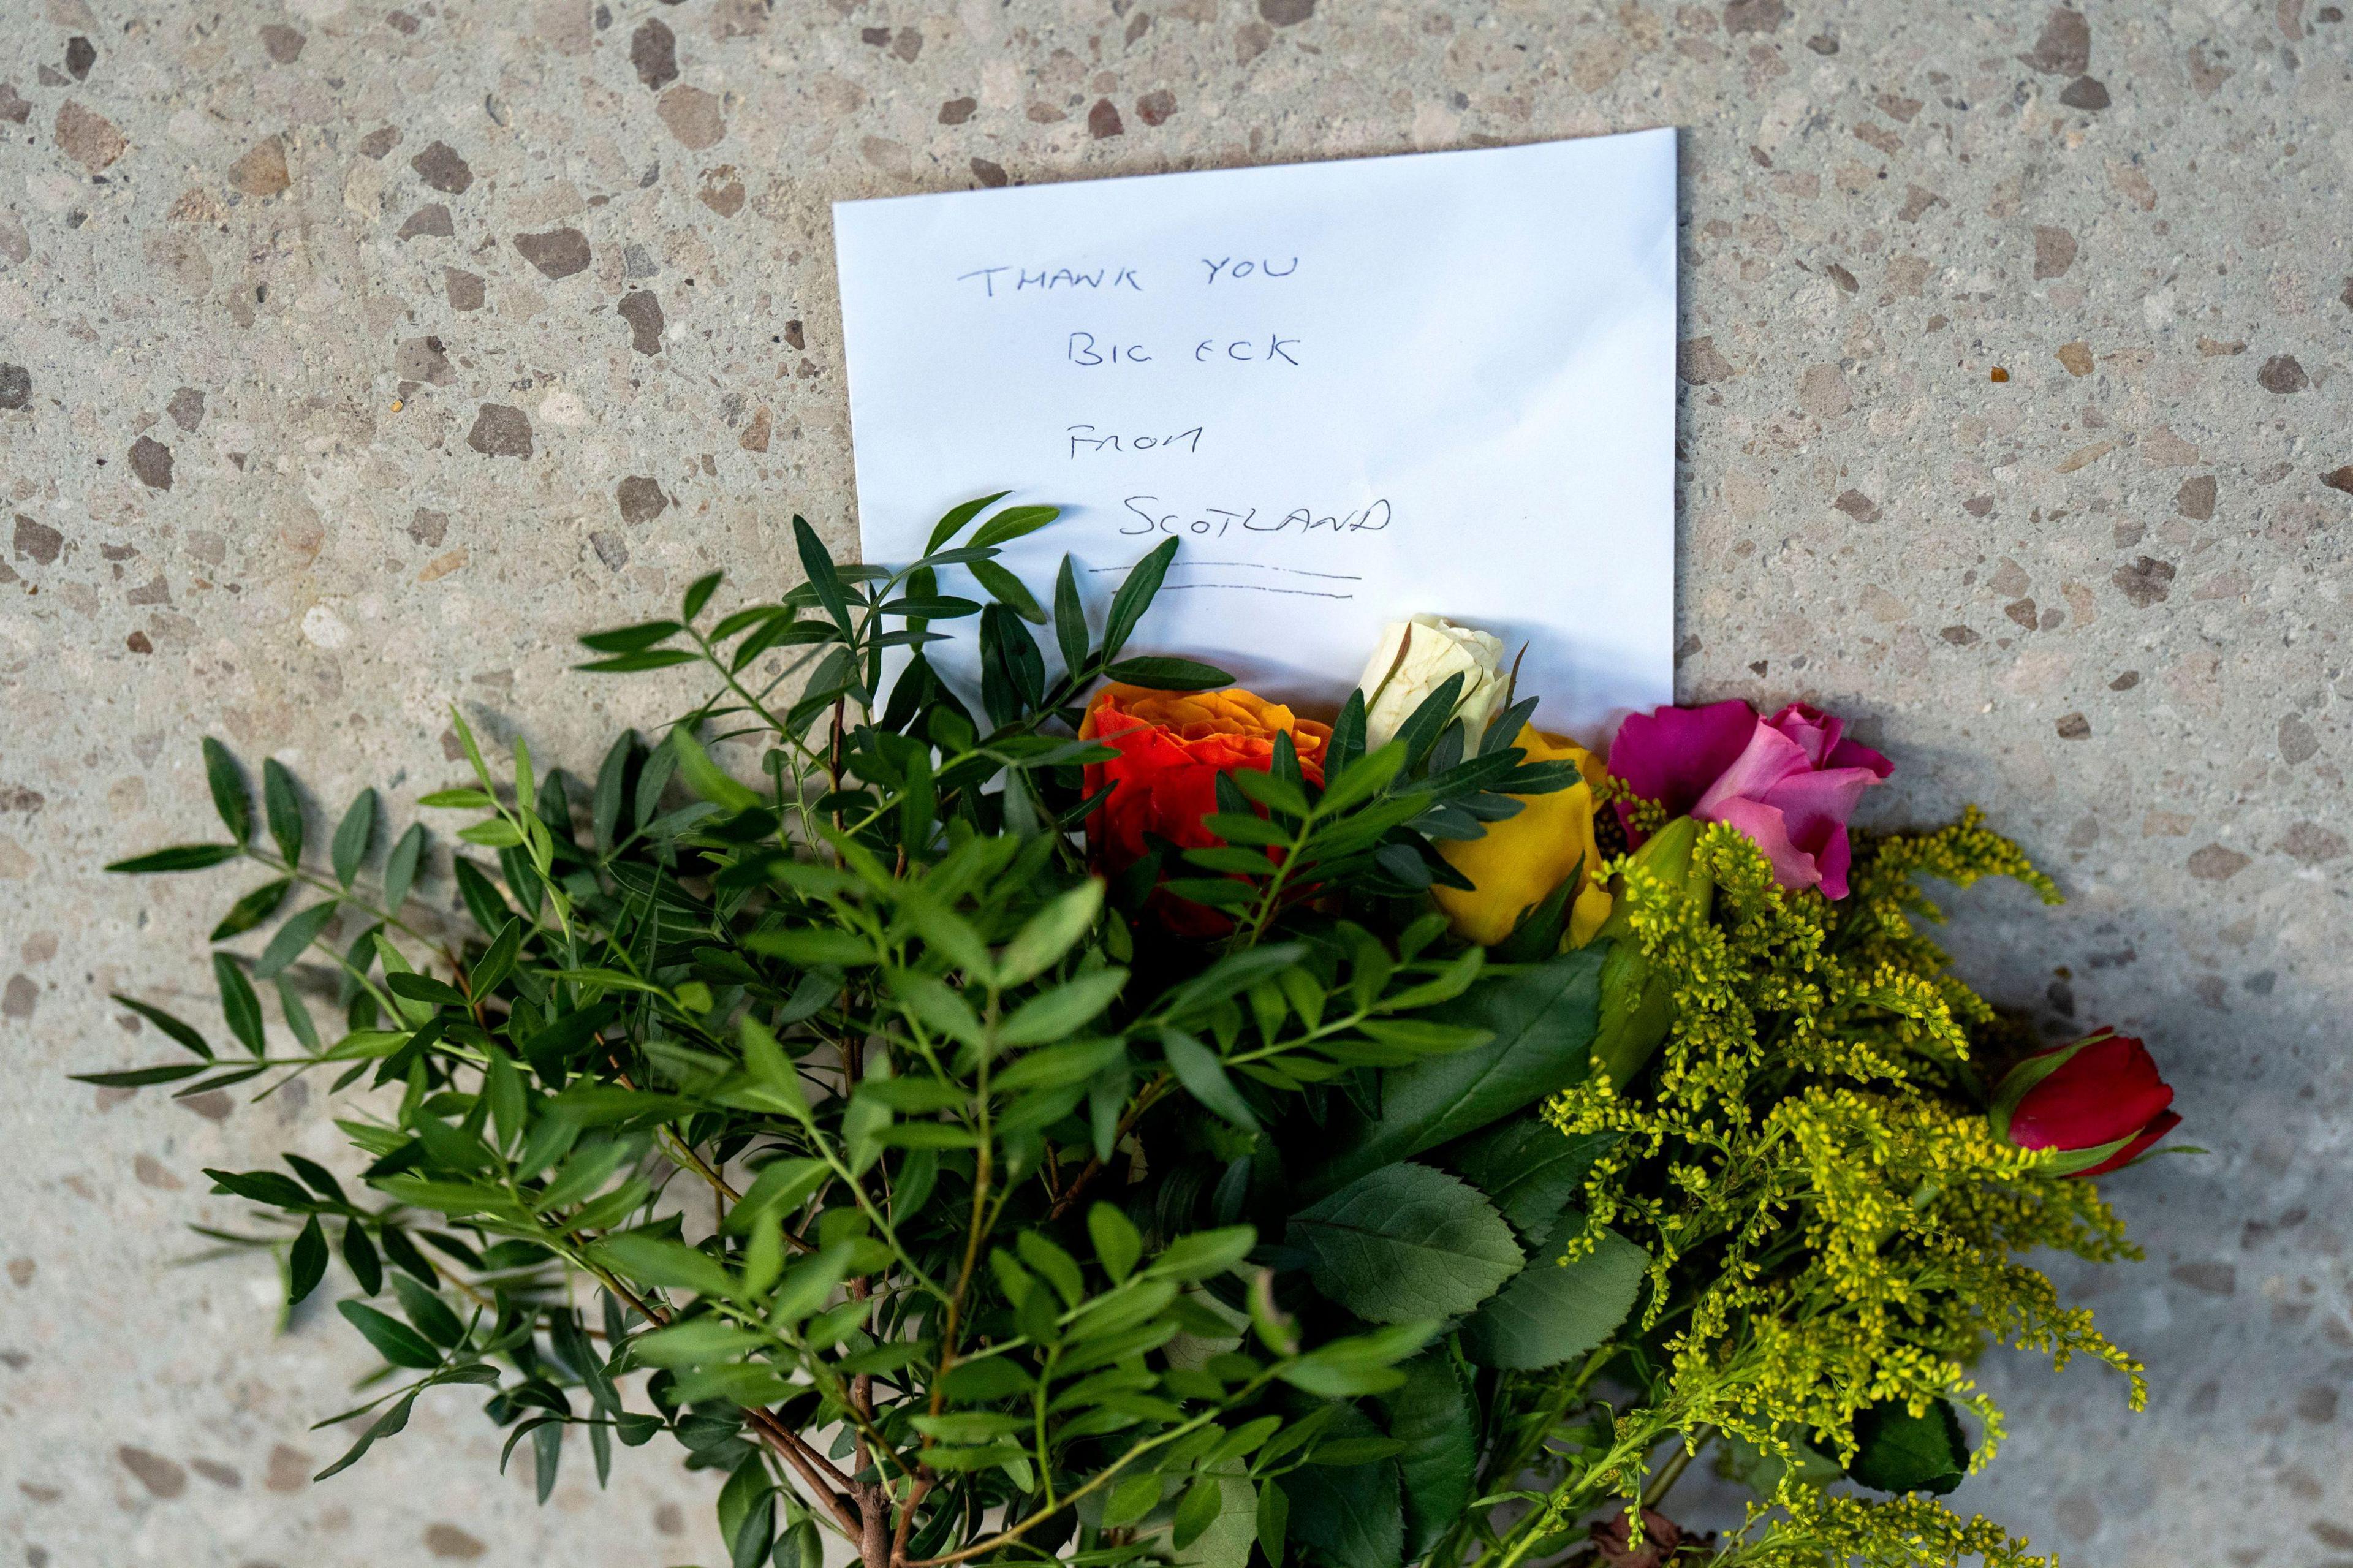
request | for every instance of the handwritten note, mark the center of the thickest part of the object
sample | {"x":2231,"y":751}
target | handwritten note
{"x":1357,"y":391}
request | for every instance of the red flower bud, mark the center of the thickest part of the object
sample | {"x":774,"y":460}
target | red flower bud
{"x":2100,"y":1101}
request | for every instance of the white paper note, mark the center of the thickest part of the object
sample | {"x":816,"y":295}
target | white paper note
{"x":1355,"y":391}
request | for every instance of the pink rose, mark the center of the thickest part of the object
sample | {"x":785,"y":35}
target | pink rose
{"x":1790,"y":782}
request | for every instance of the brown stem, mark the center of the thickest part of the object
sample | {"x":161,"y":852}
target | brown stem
{"x":805,"y":1460}
{"x":1095,"y":1167}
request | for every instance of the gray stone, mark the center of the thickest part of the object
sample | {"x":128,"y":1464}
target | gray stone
{"x":501,"y":431}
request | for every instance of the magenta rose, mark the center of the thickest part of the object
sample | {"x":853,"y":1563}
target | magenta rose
{"x":1790,"y":783}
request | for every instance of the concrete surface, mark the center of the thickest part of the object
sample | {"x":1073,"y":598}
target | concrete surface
{"x":355,"y":358}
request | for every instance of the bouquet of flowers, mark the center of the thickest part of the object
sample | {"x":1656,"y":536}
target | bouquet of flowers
{"x":1125,"y":1119}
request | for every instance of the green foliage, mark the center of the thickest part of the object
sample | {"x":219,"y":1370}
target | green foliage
{"x":790,"y":1088}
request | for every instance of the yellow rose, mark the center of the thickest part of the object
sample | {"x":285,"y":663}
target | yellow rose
{"x":1524,"y":858}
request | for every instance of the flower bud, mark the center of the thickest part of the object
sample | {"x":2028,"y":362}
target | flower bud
{"x":2099,"y":1101}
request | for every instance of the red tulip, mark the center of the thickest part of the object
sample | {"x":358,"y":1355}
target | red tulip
{"x":2100,"y":1101}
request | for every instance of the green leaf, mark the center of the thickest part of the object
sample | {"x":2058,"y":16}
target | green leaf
{"x":1197,"y":1067}
{"x":427,"y":1309}
{"x":425,"y":989}
{"x":307,"y":1264}
{"x":1897,"y":1451}
{"x":179,"y":1032}
{"x":1351,"y":1515}
{"x":498,"y":960}
{"x":1055,"y":1015}
{"x":252,"y":909}
{"x":271,"y":1187}
{"x":1049,"y":934}
{"x":1131,"y":1498}
{"x":823,"y":578}
{"x":1204,"y":1253}
{"x":140,"y":1078}
{"x":1012,"y":524}
{"x":1528,"y":1168}
{"x":630,"y":663}
{"x":806,"y":947}
{"x":630,"y":639}
{"x":352,"y":835}
{"x":394,"y":1340}
{"x":1433,"y":1415}
{"x":1195,"y":1512}
{"x":400,"y":867}
{"x":179,"y":858}
{"x":1009,"y":591}
{"x":951,"y":523}
{"x":1118,"y":1243}
{"x":239,"y":1005}
{"x":670,"y":1264}
{"x":781,"y":1186}
{"x":387,"y":1425}
{"x":1273,"y":1520}
{"x":284,"y":810}
{"x":1542,"y":1019}
{"x":766,"y":1061}
{"x":698,"y":594}
{"x":1069,"y":619}
{"x":707,"y":778}
{"x":292,"y":939}
{"x":360,"y":1257}
{"x":1406,"y":1242}
{"x":1161,"y":673}
{"x":1550,"y":1313}
{"x":1134,"y":596}
{"x":298,"y":1015}
{"x":228,"y":785}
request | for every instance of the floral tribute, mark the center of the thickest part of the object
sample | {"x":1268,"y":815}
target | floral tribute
{"x":1100,"y":1115}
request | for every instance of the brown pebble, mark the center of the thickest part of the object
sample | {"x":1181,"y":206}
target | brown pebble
{"x":88,"y":138}
{"x":988,"y":172}
{"x":557,"y":253}
{"x":282,"y":43}
{"x":464,"y":288}
{"x":2074,"y":727}
{"x":448,"y":1540}
{"x":957,"y":110}
{"x":1998,"y":374}
{"x":152,"y":461}
{"x":692,"y":116}
{"x":641,"y":499}
{"x":1102,"y":120}
{"x":653,"y":54}
{"x":2145,"y":582}
{"x":2283,"y":375}
{"x":433,"y":218}
{"x":2216,"y":863}
{"x":2085,"y":92}
{"x":501,"y":431}
{"x":441,"y":167}
{"x":642,"y":310}
{"x":156,"y":1473}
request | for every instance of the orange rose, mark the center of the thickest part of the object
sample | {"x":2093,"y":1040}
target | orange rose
{"x":1172,"y":745}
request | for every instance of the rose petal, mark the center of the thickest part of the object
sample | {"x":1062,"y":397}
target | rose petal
{"x":2134,"y":1149}
{"x":1815,"y":731}
{"x":1768,"y":758}
{"x":1671,"y":754}
{"x":2108,"y":1090}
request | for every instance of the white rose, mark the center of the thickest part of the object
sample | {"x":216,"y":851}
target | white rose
{"x":1415,"y":659}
